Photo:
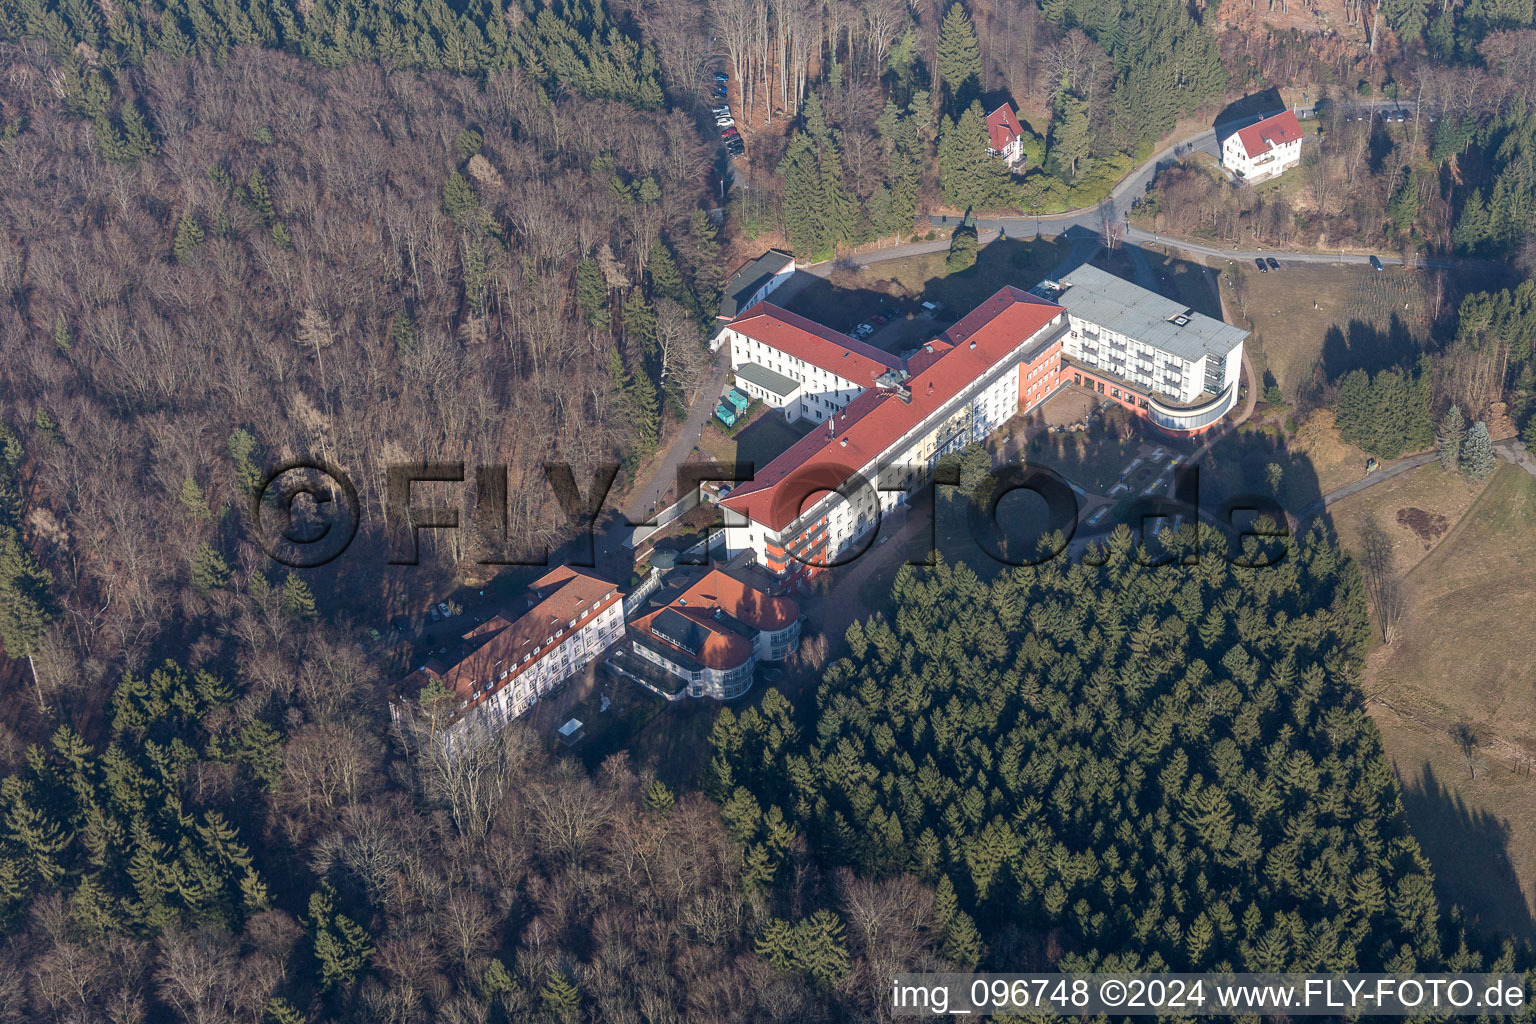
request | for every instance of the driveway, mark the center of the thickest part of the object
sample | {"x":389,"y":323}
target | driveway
{"x":661,"y":476}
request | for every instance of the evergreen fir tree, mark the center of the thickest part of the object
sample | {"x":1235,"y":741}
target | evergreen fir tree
{"x":962,"y":249}
{"x":242,"y":449}
{"x":189,"y":235}
{"x":209,"y":570}
{"x":804,"y":205}
{"x":1478,"y":460}
{"x":191,"y":498}
{"x":962,"y":942}
{"x":1450,"y":438}
{"x":959,"y":57}
{"x":561,"y":999}
{"x":341,"y":946}
{"x":592,"y":295}
{"x":639,"y":322}
{"x":298,"y":601}
{"x":256,"y":196}
{"x":468,"y":143}
{"x":1070,"y":139}
{"x":969,"y":177}
{"x":658,"y":798}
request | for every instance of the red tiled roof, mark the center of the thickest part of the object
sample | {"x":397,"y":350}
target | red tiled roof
{"x":562,"y":595}
{"x":872,"y":422}
{"x":763,"y":612}
{"x":723,"y":647}
{"x":805,"y":339}
{"x":1259,"y":138}
{"x":1003,"y":127}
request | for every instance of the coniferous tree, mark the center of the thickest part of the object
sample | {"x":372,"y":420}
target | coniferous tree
{"x":298,"y":601}
{"x":970,"y":178}
{"x":962,"y":249}
{"x":959,"y":58}
{"x":1070,"y":139}
{"x":1450,"y":438}
{"x":1478,"y":460}
{"x":189,"y":235}
{"x":592,"y":295}
{"x":341,"y":946}
{"x":209,"y":570}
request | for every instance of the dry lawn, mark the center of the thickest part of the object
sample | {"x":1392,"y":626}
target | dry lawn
{"x":1465,"y":655}
{"x":1289,"y":312}
{"x":1416,"y":512}
{"x":1335,"y":461}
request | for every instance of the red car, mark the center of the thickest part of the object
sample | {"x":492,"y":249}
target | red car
{"x":730,"y":133}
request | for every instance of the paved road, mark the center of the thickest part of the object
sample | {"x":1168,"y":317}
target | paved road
{"x":1113,"y":210}
{"x":662,"y":476}
{"x":1385,"y":473}
{"x":1510,"y":449}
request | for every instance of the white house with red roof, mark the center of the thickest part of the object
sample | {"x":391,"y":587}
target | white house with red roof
{"x":707,"y":639}
{"x":1265,"y":149}
{"x":1005,"y":136}
{"x":956,"y":390}
{"x":499,"y":669}
{"x":797,"y":365}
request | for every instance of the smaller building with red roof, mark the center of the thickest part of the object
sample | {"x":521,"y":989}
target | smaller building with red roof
{"x":497,"y":670}
{"x":1265,"y":149}
{"x":707,"y":637}
{"x":1005,"y":135}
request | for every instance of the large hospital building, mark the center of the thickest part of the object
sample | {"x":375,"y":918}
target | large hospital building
{"x":888,"y":420}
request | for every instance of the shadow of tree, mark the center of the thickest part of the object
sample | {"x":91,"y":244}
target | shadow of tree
{"x":1250,"y":108}
{"x":1364,"y":346}
{"x":1469,"y":850}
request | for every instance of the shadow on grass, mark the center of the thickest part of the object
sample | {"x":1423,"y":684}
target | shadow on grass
{"x":1364,"y":346}
{"x":849,"y":297}
{"x":1469,"y":850}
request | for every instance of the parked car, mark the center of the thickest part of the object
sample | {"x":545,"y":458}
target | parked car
{"x":725,"y":124}
{"x":442,"y":606}
{"x":1401,"y":117}
{"x":1376,"y":264}
{"x":721,"y":76}
{"x":724,"y":108}
{"x":1274,"y":264}
{"x":1258,"y":261}
{"x":437,"y":616}
{"x":878,"y":319}
{"x":729,"y":133}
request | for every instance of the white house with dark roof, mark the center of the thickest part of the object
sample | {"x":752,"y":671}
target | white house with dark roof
{"x":752,"y":283}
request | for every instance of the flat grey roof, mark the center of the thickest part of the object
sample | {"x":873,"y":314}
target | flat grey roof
{"x":746,"y":281}
{"x":1113,"y":302}
{"x":770,"y":380}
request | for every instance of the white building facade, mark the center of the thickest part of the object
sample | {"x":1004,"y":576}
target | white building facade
{"x":1263,"y":150}
{"x":807,"y":510}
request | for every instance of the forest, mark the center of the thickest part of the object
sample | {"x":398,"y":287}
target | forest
{"x":1108,"y":767}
